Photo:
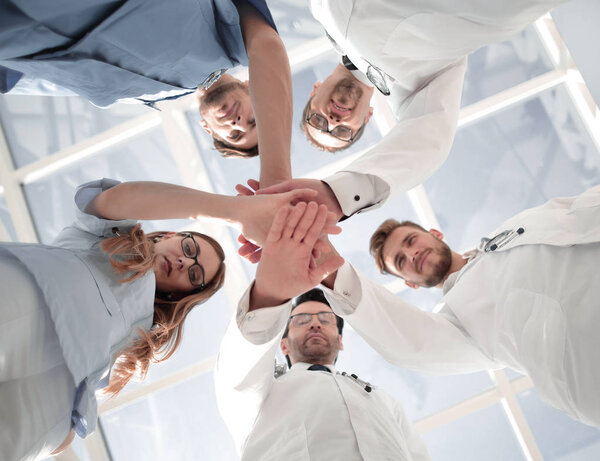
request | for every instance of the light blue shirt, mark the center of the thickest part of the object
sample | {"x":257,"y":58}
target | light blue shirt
{"x":95,"y":316}
{"x":109,"y":50}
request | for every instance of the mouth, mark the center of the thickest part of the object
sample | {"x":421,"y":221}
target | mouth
{"x":337,"y":108}
{"x":315,"y":336}
{"x":168,"y":266}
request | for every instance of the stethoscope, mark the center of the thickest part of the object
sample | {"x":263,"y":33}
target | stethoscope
{"x":500,"y":240}
{"x":368,"y":387}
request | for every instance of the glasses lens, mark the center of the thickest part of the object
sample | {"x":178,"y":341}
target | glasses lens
{"x":342,"y":132}
{"x":189,"y":247}
{"x":196,"y":274}
{"x":326,"y":318}
{"x":318,"y":121}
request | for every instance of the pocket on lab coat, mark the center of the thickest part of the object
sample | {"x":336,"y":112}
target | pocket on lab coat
{"x":536,"y":325}
{"x":292,"y":446}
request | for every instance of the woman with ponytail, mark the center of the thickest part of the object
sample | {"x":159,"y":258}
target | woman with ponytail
{"x":105,"y":300}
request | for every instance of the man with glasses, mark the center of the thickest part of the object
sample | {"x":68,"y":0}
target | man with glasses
{"x":312,"y":412}
{"x":414,"y":54}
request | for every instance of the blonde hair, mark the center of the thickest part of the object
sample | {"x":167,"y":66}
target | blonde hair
{"x":132,"y":255}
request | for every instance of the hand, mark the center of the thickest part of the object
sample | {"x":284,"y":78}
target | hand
{"x":287,"y":267}
{"x":255,"y":213}
{"x":324,"y":195}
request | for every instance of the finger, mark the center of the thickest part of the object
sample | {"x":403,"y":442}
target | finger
{"x":247,"y":249}
{"x":255,"y":257}
{"x":332,"y":229}
{"x":306,"y":222}
{"x":243,"y":190}
{"x":303,"y":195}
{"x":316,"y":227}
{"x":325,"y":268}
{"x":292,"y":221}
{"x":321,"y":247}
{"x":254,"y":184}
{"x":276,"y":188}
{"x":242,"y":239}
{"x":278,"y":224}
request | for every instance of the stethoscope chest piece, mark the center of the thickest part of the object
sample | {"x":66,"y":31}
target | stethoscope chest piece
{"x":501,"y":240}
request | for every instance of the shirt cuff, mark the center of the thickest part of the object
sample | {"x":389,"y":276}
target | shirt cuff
{"x":261,"y":325}
{"x":347,"y":291}
{"x":354,"y":191}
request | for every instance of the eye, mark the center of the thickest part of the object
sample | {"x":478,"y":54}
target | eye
{"x":187,"y":249}
{"x":193,"y":277}
{"x":411,"y":240}
{"x":235,"y":135}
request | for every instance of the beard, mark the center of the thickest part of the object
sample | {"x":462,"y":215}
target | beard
{"x":442,"y":267}
{"x":215,"y":98}
{"x":347,"y":90}
{"x":310,"y":351}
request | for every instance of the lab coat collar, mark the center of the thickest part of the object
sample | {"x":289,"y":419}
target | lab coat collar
{"x":303,"y":366}
{"x":453,"y":277}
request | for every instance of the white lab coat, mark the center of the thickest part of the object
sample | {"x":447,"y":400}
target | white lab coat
{"x":422,"y":46}
{"x":531,"y":304}
{"x":302,"y":415}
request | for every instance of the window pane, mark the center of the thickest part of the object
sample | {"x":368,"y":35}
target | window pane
{"x":484,"y":435}
{"x":7,"y":229}
{"x":58,"y":122}
{"x":145,"y":157}
{"x":558,"y":436}
{"x":180,"y":423}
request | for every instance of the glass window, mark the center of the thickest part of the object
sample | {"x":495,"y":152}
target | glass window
{"x":145,"y":157}
{"x":485,"y":434}
{"x":511,"y":161}
{"x":180,"y":423}
{"x":7,"y":229}
{"x":58,"y":122}
{"x":499,"y":66}
{"x":558,"y":436}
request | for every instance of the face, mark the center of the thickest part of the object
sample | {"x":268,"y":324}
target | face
{"x":343,"y":101}
{"x":420,"y":258}
{"x":227,"y":113}
{"x":171,"y":265}
{"x":313,"y":342}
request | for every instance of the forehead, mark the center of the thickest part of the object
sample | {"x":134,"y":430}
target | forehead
{"x":311,"y":307}
{"x":394,"y":241}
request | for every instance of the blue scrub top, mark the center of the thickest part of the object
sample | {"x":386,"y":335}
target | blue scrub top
{"x":108,"y":50}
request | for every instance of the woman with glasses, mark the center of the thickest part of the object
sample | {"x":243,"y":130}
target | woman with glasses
{"x":104,"y":301}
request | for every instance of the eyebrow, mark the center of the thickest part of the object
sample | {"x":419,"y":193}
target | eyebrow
{"x":403,"y":244}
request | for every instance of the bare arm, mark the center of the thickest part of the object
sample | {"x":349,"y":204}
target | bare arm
{"x":270,"y":94}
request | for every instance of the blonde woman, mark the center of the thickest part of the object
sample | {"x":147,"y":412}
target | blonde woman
{"x":104,"y":301}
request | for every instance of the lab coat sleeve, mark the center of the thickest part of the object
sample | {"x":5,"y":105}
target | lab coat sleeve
{"x":245,"y":365}
{"x":415,"y":147}
{"x":403,"y":334}
{"x":416,"y":447}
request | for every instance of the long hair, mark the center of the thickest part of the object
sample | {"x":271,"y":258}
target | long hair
{"x":133,"y":255}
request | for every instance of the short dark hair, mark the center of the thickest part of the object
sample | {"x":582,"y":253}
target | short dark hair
{"x":229,"y":151}
{"x":317,"y":295}
{"x":313,"y":141}
{"x":381,"y":235}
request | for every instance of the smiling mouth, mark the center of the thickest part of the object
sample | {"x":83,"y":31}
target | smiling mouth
{"x":168,"y":266}
{"x":338,"y":109}
{"x":422,"y":260}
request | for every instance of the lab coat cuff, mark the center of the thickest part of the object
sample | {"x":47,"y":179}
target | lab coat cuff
{"x":347,"y":291}
{"x":354,"y":191}
{"x":261,"y":325}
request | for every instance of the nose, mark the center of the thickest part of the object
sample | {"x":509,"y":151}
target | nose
{"x":315,"y":322}
{"x":413,"y":253}
{"x":334,"y":119}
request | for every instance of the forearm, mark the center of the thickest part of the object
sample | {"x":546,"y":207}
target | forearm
{"x":156,"y":200}
{"x":271,"y":95}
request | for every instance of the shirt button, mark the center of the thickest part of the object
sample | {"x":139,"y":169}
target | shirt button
{"x":346,"y":293}
{"x":356,"y":198}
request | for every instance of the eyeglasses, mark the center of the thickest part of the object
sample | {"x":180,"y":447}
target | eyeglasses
{"x":191,"y":250}
{"x":343,"y":133}
{"x":299,"y":320}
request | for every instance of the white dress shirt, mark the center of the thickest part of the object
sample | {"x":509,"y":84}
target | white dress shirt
{"x":302,"y":415}
{"x":421,"y":47}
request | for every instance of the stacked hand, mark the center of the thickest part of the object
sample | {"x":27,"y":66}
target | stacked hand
{"x":287,"y":267}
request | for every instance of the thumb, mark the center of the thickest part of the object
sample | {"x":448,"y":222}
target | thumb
{"x":327,"y":267}
{"x":302,"y":195}
{"x":276,"y":188}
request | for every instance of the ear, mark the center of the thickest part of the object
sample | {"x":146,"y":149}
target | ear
{"x":437,"y":234}
{"x":414,"y":286}
{"x":340,"y":344}
{"x":369,"y":115}
{"x":206,"y":127}
{"x":315,"y":88}
{"x":284,"y":346}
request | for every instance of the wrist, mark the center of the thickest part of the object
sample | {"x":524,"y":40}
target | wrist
{"x":261,"y":297}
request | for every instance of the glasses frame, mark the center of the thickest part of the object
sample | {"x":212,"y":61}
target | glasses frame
{"x":334,"y":322}
{"x":195,"y":259}
{"x":352,"y":135}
